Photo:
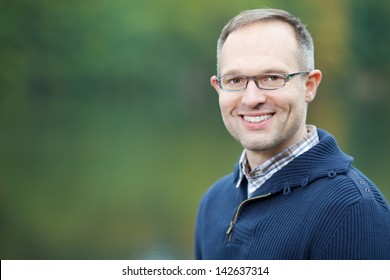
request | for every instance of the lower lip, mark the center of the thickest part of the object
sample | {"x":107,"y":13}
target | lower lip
{"x":254,"y":126}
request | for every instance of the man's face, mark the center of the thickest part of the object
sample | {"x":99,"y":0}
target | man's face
{"x":264,"y":121}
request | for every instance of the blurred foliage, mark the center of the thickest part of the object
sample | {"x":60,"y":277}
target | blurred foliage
{"x":110,"y":132}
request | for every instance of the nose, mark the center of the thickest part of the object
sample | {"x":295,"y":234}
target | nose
{"x":253,"y":96}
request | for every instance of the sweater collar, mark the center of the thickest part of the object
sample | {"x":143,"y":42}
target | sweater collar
{"x":325,"y":159}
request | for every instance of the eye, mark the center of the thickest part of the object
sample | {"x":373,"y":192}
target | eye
{"x":272,"y":78}
{"x":235,"y":80}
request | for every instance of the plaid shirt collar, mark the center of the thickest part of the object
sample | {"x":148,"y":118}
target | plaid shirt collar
{"x":263,"y":172}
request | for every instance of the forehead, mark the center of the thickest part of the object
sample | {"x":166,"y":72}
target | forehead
{"x":260,"y":47}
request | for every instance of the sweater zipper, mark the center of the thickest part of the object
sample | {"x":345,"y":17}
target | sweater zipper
{"x":233,"y":222}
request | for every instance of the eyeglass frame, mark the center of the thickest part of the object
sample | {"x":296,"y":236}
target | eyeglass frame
{"x":286,"y":77}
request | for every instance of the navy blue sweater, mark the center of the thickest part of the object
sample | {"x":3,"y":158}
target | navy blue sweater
{"x":317,"y":207}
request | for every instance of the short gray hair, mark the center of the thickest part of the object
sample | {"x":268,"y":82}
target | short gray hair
{"x":304,"y":39}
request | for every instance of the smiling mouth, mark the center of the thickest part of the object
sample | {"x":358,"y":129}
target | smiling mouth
{"x":257,"y":119}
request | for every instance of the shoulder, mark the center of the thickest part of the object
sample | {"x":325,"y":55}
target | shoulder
{"x":357,"y":187}
{"x":352,"y":199}
{"x":220,"y":197}
{"x":348,"y":188}
{"x":367,"y":188}
{"x":221,"y":187}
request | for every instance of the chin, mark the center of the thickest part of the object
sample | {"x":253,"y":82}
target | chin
{"x":258,"y":147}
{"x":262,"y":145}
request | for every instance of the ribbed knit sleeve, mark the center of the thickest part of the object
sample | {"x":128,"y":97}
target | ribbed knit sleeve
{"x":362,"y":233}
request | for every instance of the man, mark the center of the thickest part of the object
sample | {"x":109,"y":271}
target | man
{"x":293,"y":194}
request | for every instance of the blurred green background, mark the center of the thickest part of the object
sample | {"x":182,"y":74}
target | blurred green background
{"x":111,"y":133}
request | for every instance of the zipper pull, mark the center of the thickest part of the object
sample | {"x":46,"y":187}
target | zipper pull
{"x":229,"y":230}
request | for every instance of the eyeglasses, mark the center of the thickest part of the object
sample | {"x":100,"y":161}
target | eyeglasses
{"x":269,"y":81}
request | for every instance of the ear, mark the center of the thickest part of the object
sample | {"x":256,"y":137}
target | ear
{"x":213,"y":81}
{"x":312,"y":83}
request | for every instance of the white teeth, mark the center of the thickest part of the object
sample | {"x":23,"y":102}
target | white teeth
{"x":257,"y":119}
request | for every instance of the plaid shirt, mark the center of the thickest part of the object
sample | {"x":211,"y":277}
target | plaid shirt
{"x":263,"y":172}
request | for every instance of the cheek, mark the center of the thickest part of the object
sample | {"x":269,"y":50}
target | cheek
{"x":297,"y":111}
{"x":292,"y":100}
{"x":227,"y":103}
